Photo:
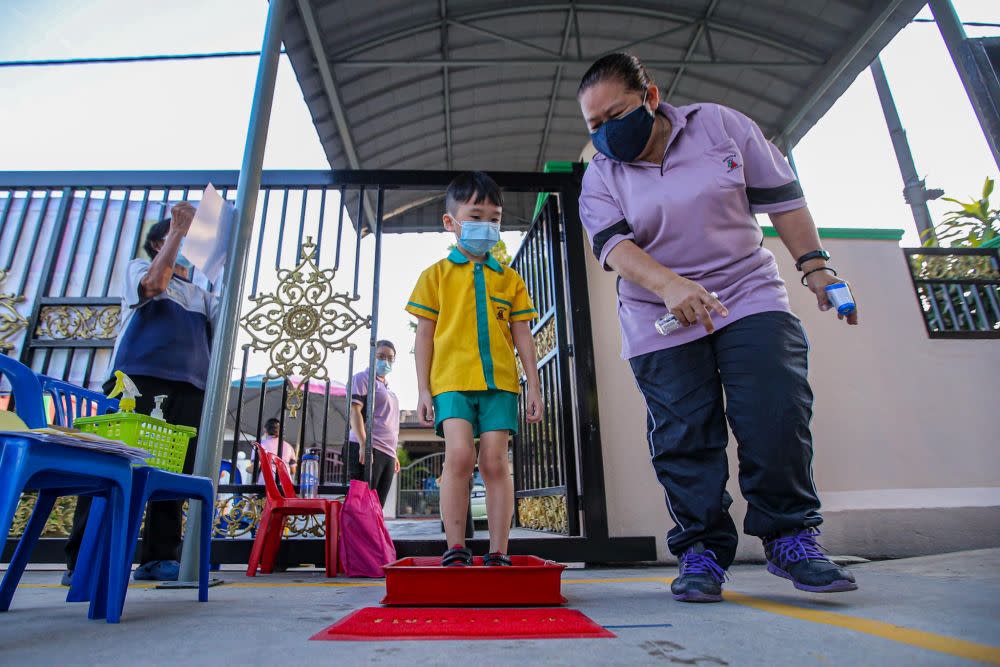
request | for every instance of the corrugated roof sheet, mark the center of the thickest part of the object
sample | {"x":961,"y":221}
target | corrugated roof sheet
{"x":487,"y":84}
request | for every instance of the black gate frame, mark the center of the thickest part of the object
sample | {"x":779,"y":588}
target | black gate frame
{"x":589,"y":541}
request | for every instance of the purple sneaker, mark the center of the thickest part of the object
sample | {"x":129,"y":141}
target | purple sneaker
{"x":700,"y":578}
{"x":797,"y":557}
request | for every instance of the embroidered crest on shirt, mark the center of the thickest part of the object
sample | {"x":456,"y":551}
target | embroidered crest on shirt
{"x":731,"y":163}
{"x":501,"y":313}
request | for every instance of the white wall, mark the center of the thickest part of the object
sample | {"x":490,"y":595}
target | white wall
{"x":906,"y":446}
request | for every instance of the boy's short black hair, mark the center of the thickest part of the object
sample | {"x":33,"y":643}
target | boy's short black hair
{"x":474,"y":185}
{"x":271,"y":426}
{"x":156,"y":233}
{"x":385,"y":343}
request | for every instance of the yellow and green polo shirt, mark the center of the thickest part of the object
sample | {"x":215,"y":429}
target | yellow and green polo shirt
{"x":473,"y":305}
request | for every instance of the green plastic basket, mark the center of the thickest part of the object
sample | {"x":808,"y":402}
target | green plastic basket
{"x":167,"y":443}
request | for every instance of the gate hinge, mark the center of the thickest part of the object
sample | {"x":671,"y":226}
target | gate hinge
{"x":570,"y":351}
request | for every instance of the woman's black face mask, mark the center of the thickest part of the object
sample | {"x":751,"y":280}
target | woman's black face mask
{"x":624,"y":138}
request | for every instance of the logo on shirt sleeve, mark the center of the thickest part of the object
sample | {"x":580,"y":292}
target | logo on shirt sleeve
{"x":501,"y":313}
{"x":731,"y":163}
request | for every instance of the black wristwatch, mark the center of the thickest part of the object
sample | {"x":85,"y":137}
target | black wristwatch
{"x":815,"y":254}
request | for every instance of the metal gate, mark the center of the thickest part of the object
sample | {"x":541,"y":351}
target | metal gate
{"x":65,"y":238}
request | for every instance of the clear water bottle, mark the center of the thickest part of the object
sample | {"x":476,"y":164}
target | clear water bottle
{"x":309,"y":476}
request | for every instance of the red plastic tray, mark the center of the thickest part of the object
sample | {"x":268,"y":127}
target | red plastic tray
{"x":422,"y":582}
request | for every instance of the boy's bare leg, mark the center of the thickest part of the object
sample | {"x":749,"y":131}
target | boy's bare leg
{"x":499,"y":487}
{"x":459,"y":462}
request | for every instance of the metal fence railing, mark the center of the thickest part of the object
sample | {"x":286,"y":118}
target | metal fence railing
{"x":958,"y":290}
{"x":417,"y":488}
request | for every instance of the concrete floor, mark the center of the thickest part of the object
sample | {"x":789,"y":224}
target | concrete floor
{"x":936,"y":610}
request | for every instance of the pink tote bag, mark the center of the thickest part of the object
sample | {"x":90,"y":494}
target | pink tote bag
{"x":365,"y":545}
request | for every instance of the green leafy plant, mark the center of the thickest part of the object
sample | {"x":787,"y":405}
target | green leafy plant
{"x":403,"y":456}
{"x":972,"y":225}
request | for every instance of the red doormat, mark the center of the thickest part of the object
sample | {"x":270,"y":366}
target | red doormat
{"x":386,"y":624}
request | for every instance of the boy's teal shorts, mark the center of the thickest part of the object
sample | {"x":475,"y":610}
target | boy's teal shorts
{"x":492,"y":410}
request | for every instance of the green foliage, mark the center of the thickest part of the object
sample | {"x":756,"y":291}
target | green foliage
{"x":403,"y":456}
{"x":973,"y":224}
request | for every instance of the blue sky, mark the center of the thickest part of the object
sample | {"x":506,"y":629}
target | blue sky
{"x":193,"y":115}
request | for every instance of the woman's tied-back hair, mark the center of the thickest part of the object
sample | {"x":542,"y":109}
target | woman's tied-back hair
{"x":623,"y":67}
{"x":474,"y":185}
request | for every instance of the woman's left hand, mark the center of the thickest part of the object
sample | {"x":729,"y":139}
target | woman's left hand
{"x":817,"y":283}
{"x":396,"y":466}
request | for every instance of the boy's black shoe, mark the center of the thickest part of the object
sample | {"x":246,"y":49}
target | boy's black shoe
{"x":457,"y":556}
{"x":496,"y":559}
{"x":700,"y":578}
{"x":796,"y":556}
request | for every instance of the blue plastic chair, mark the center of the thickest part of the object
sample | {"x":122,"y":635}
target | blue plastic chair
{"x":108,"y":543}
{"x":54,"y":471}
{"x":71,"y":401}
{"x":27,"y":464}
{"x":148,"y":484}
{"x":27,"y":392}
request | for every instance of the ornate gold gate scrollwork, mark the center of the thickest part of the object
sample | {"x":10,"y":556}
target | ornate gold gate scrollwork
{"x":302,"y":322}
{"x":11,"y":321}
{"x":78,"y":322}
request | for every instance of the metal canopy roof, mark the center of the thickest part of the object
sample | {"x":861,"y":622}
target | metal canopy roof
{"x":491,"y":84}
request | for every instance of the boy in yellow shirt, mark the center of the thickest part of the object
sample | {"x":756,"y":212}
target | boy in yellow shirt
{"x":472,"y":313}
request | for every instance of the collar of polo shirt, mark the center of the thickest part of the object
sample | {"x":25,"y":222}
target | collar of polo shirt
{"x":678,"y":118}
{"x":457,"y":257}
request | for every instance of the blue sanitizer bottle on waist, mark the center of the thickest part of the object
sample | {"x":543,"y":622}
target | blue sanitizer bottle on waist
{"x":841,"y":298}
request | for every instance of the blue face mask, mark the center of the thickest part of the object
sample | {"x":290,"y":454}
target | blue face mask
{"x":477,"y":237}
{"x":382,"y":367}
{"x":623,"y":139}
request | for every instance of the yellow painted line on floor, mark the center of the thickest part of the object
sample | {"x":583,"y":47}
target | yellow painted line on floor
{"x":364,"y":584}
{"x":307,"y":584}
{"x":249,"y":584}
{"x":623,"y":580}
{"x":919,"y":638}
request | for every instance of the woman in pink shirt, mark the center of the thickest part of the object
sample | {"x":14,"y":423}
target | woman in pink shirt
{"x":384,"y":426}
{"x":669,"y":204}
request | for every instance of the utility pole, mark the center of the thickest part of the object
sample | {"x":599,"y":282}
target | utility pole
{"x":915,"y":191}
{"x":955,"y":39}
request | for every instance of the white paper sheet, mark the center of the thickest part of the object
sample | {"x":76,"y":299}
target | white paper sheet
{"x":83,"y":441}
{"x":208,"y":239}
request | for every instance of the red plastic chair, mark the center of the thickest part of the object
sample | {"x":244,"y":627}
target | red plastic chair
{"x":281,"y":503}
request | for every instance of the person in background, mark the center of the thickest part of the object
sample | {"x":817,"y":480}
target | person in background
{"x":385,"y":423}
{"x":164,"y":343}
{"x":273,"y":443}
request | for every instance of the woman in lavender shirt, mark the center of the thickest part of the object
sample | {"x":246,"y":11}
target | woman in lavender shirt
{"x":669,"y":203}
